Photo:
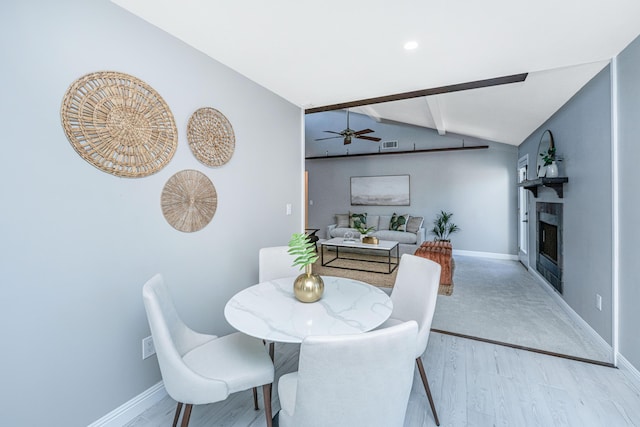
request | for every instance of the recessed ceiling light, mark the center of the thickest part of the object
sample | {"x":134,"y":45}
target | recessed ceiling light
{"x":411,"y":45}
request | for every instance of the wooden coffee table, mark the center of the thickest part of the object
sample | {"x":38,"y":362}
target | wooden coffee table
{"x":385,"y":247}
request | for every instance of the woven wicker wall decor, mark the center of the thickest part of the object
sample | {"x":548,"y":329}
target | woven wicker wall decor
{"x":211,"y":137}
{"x":119,"y":124}
{"x":189,"y":200}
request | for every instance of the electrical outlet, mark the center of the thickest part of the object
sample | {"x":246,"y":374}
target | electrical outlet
{"x":148,"y":349}
{"x":598,"y":302}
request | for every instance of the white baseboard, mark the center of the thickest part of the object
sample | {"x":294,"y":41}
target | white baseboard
{"x":630,"y":371}
{"x":493,"y":255}
{"x":131,"y":409}
{"x":571,"y":312}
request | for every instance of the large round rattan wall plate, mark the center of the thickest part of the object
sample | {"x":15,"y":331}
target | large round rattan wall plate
{"x":119,"y":124}
{"x":189,"y":200}
{"x":211,"y":137}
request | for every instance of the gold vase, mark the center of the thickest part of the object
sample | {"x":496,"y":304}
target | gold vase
{"x":308,"y":287}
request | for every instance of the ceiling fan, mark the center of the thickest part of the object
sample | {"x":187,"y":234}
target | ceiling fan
{"x":348,"y":134}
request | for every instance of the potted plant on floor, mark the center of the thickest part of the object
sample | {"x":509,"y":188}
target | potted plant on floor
{"x":442,"y":227}
{"x":307,"y":287}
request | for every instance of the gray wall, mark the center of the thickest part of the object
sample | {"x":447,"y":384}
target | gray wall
{"x":478,"y":186}
{"x":582,"y":134}
{"x":629,"y":207}
{"x":77,"y":244}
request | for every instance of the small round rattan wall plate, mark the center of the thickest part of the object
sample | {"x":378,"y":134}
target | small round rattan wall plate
{"x":189,"y":200}
{"x":119,"y":124}
{"x":211,"y":137}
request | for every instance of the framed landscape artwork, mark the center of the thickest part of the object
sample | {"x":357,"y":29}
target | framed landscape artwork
{"x":388,"y":190}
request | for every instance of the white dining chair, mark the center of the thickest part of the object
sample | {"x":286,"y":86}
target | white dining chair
{"x":361,"y":380}
{"x":275,"y":262}
{"x":198,"y":368}
{"x":414,"y":296}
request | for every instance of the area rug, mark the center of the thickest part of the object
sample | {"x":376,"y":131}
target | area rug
{"x":377,"y":278}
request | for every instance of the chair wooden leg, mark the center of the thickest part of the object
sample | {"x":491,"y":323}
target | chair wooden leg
{"x":255,"y":398}
{"x":271,"y":348}
{"x":177,"y":416}
{"x":266,"y":391}
{"x":423,"y":375}
{"x":186,"y":415}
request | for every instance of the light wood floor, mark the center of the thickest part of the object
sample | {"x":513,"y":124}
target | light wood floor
{"x":473,"y":384}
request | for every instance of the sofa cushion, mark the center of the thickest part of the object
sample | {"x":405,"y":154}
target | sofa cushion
{"x":357,"y":220}
{"x":398,"y":222}
{"x":397,"y":236}
{"x":383,"y":222}
{"x":372,"y":221}
{"x":342,"y":220}
{"x":414,"y":224}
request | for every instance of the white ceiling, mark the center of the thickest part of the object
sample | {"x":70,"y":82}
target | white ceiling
{"x":333,"y":51}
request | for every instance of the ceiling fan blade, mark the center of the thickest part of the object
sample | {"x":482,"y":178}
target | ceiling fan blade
{"x":331,"y":137}
{"x":368,"y":138}
{"x":360,"y":132}
{"x":330,"y":131}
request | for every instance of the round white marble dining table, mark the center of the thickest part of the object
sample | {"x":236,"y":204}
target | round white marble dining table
{"x":270,"y":311}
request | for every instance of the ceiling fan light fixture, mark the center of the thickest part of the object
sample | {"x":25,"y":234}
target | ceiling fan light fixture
{"x":411,"y":45}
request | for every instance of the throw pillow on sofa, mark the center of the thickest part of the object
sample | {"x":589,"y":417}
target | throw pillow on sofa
{"x":358,"y":220}
{"x":342,"y":220}
{"x":398,"y":222}
{"x":414,"y":224}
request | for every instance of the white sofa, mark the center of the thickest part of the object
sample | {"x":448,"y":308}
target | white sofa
{"x":410,"y":238}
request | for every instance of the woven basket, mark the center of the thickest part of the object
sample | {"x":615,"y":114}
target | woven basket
{"x":211,"y":137}
{"x":119,"y":124}
{"x":189,"y":200}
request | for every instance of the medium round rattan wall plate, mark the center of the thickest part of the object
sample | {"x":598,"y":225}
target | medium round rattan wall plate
{"x":119,"y":124}
{"x":189,"y":200}
{"x":211,"y":137}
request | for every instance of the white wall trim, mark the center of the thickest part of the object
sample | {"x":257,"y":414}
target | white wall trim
{"x":629,"y":371}
{"x":615,"y":211}
{"x":493,"y":255}
{"x":134,"y":407}
{"x":572,"y":314}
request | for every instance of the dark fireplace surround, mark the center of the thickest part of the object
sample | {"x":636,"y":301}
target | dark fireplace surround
{"x":549,"y":253}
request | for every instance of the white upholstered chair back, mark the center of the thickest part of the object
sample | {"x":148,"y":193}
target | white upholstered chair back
{"x":275,"y":262}
{"x":172,"y":339}
{"x":415,"y":293}
{"x":414,"y":297}
{"x":359,"y":380}
{"x":198,"y":368}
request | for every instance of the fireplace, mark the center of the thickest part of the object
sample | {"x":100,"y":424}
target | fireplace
{"x":549,"y":242}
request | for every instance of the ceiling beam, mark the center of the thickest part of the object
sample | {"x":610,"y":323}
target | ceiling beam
{"x":371,"y":112}
{"x":515,"y":78}
{"x":433,"y":104}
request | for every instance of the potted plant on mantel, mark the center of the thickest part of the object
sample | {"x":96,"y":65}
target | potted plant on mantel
{"x":549,"y":158}
{"x":307,"y":287}
{"x":442,"y":227}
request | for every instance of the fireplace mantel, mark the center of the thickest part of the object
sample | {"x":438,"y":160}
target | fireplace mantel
{"x":556,"y":183}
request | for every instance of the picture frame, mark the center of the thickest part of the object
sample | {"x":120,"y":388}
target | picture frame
{"x":384,"y":190}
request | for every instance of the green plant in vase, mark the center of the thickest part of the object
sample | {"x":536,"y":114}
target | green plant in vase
{"x":550,"y":158}
{"x":364,"y":230}
{"x":307,"y":287}
{"x":442,"y":227}
{"x":303,"y":250}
